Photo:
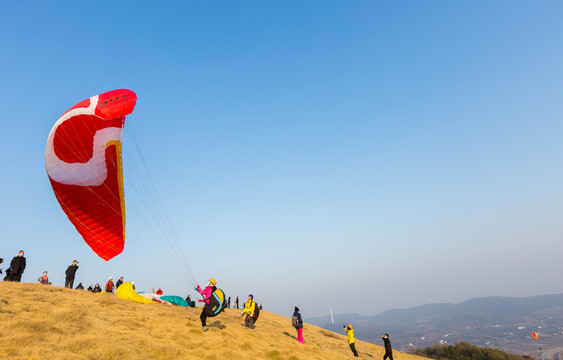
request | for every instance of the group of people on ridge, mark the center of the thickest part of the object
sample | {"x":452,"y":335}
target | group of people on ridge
{"x":70,"y":274}
{"x":18,"y":264}
{"x":249,"y":313}
{"x":385,"y":337}
{"x":251,"y":310}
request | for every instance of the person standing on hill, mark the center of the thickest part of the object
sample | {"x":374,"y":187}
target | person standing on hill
{"x":109,"y":285}
{"x":118,"y":283}
{"x":237,"y":303}
{"x":297,"y":322}
{"x":17,"y":266}
{"x":229,"y":303}
{"x":206,"y":293}
{"x":388,"y":350}
{"x":350,"y":337}
{"x":249,"y":309}
{"x":70,"y":274}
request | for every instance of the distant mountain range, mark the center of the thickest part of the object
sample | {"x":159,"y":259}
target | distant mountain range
{"x":498,"y":322}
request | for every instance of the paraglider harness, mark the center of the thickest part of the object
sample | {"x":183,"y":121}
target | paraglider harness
{"x":256,"y":311}
{"x":217,"y":302}
{"x":252,"y":318}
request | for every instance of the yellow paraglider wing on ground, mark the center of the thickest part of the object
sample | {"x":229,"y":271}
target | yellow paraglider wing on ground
{"x":125,"y":291}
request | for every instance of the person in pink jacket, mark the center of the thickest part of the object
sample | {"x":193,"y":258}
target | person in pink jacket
{"x":206,"y":293}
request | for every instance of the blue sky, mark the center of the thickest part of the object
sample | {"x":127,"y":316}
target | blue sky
{"x":361,"y":155}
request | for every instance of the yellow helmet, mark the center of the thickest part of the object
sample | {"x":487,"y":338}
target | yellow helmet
{"x":350,"y":326}
{"x":213,"y":281}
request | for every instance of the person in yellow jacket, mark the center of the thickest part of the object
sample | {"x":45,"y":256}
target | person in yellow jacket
{"x":249,"y":309}
{"x":350,"y":335}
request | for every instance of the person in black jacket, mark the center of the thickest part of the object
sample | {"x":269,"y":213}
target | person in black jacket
{"x":97,"y":289}
{"x":80,"y":287}
{"x":297,"y":322}
{"x":119,"y":282}
{"x":17,"y":266}
{"x":70,"y":273}
{"x":388,"y":350}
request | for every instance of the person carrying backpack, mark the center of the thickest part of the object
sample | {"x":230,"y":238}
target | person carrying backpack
{"x":249,"y":309}
{"x":206,"y":293}
{"x":297,"y":322}
{"x":350,"y":337}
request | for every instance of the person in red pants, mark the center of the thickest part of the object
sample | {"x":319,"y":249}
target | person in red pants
{"x":297,"y":322}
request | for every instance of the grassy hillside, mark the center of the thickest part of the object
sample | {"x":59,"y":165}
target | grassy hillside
{"x":44,"y":322}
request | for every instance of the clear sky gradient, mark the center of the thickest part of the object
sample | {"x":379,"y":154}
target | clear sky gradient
{"x":359,"y":155}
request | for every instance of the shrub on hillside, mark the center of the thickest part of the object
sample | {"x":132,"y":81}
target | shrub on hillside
{"x":465,"y":351}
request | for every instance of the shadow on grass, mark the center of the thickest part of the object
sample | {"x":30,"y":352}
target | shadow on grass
{"x":218,"y":325}
{"x":291,"y":336}
{"x":360,"y":353}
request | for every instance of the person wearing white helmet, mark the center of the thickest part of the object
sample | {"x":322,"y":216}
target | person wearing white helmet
{"x":110,"y":285}
{"x":206,"y":293}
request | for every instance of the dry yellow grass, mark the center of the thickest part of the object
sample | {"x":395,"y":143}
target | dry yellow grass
{"x":43,"y":322}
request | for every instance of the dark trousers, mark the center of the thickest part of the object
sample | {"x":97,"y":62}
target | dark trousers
{"x":203,"y":316}
{"x":69,"y":282}
{"x":14,"y":277}
{"x":388,"y":354}
{"x":353,"y":347}
{"x":249,"y":321}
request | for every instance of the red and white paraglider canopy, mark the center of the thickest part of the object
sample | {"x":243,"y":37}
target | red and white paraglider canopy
{"x":84,"y":164}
